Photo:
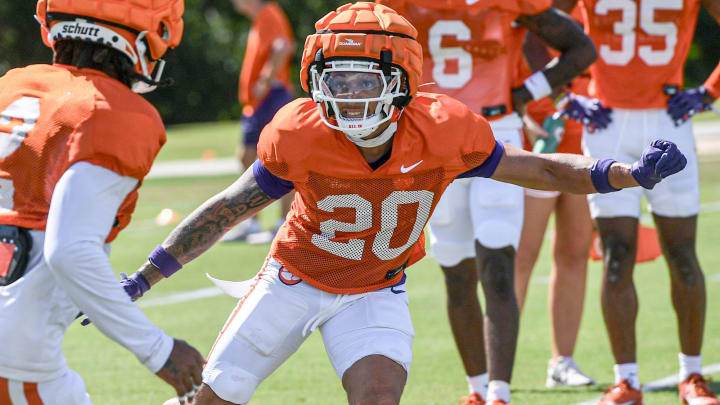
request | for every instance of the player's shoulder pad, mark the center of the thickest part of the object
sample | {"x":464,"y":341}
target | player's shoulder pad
{"x":295,"y":134}
{"x":450,"y":131}
{"x":438,"y":108}
{"x":447,"y":125}
{"x":123,"y":132}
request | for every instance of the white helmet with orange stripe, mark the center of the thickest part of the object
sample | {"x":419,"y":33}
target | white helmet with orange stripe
{"x":142,"y":30}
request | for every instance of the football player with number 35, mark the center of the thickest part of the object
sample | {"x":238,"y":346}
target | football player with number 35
{"x":368,"y":157}
{"x":75,"y":144}
{"x":471,"y":52}
{"x":643,"y":45}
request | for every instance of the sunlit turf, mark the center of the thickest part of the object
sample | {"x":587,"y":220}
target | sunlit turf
{"x":114,"y":376}
{"x":197,"y":141}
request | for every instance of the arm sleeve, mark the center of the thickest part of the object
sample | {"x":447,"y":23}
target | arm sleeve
{"x":82,"y":211}
{"x":273,"y":186}
{"x":487,"y":168}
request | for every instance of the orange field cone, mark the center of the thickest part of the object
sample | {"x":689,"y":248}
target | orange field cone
{"x":167,"y":216}
{"x":209,"y":154}
{"x":648,"y":248}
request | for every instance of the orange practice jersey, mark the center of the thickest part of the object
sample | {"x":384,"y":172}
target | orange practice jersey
{"x":470,"y":52}
{"x":53,"y":116}
{"x":352,"y":229}
{"x":270,"y":24}
{"x":642,"y":46}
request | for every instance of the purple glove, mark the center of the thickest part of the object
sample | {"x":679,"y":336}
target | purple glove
{"x":589,"y":111}
{"x":659,"y":160}
{"x":687,"y":103}
{"x":135,"y":286}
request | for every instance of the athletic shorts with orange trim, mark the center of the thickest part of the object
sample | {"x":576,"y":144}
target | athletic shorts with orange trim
{"x":66,"y":390}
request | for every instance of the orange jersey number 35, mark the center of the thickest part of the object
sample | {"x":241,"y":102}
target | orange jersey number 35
{"x":632,"y":41}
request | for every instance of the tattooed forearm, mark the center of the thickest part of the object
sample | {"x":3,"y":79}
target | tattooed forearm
{"x":204,"y":227}
{"x":559,"y":31}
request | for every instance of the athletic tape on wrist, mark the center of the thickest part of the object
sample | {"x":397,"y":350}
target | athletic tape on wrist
{"x":164,"y":261}
{"x":538,"y":85}
{"x":599,"y":176}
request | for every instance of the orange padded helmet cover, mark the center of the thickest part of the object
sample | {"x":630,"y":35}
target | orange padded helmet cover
{"x":363,"y":30}
{"x":161,"y":20}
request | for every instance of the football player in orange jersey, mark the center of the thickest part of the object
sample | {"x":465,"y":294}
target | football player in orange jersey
{"x":264,"y":87}
{"x":76,"y":143}
{"x":643,"y":45}
{"x":573,"y":228}
{"x":368,"y":157}
{"x":471,"y":52}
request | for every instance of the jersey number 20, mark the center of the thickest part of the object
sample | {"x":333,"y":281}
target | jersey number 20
{"x":353,"y":248}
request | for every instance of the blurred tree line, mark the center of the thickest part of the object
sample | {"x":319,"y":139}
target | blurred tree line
{"x":207,"y":63}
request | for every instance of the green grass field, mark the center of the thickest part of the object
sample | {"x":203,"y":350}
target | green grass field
{"x":114,"y":376}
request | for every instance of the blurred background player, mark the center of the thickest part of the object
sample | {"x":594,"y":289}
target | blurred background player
{"x":471,"y":51}
{"x":639,"y":75}
{"x":76,"y":143}
{"x":264,"y":88}
{"x":573,"y":227}
{"x":366,"y":180}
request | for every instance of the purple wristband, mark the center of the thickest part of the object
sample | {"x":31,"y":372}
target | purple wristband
{"x":164,"y":261}
{"x":599,"y":176}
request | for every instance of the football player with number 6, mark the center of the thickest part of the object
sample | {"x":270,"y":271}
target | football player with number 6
{"x":368,"y":157}
{"x":471,"y":52}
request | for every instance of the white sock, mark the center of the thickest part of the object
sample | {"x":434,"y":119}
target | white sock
{"x":629,"y":372}
{"x":498,"y":390}
{"x":689,"y":365}
{"x":479,"y":384}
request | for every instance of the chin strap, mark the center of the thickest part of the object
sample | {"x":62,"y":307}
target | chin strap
{"x":378,"y":140}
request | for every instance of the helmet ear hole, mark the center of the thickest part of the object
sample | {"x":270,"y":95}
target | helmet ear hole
{"x":157,"y":46}
{"x":164,"y":31}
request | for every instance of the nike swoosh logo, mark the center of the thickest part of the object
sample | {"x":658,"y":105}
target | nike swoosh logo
{"x":404,"y":169}
{"x":394,"y":291}
{"x":471,"y":2}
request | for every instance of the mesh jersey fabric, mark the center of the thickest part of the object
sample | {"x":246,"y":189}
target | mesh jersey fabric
{"x":352,"y":229}
{"x":61,"y":115}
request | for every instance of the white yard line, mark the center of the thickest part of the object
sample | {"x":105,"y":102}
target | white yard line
{"x":176,"y":298}
{"x":194,"y":168}
{"x":667,"y":382}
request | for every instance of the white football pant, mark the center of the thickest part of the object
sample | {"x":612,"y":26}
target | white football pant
{"x":479,"y":208}
{"x":624,"y":140}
